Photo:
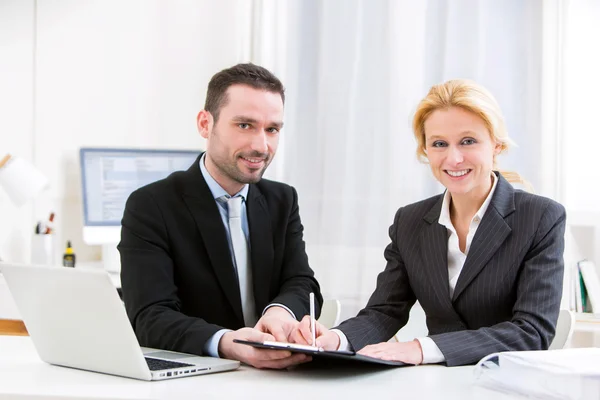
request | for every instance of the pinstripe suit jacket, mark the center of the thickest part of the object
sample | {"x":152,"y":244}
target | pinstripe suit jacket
{"x":507,"y":296}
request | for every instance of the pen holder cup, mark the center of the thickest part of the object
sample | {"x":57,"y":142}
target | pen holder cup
{"x":42,"y":250}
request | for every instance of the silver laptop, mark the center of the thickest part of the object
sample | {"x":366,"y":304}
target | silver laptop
{"x":76,"y":319}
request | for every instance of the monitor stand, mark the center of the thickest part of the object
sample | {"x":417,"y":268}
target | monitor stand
{"x":111,"y":258}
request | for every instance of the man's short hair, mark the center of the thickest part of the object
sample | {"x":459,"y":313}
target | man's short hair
{"x":248,"y":74}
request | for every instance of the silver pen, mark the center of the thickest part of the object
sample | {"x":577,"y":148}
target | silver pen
{"x":312,"y":318}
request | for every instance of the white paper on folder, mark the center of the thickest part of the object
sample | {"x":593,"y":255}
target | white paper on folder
{"x":553,"y":374}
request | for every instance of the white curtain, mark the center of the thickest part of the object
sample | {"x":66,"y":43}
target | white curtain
{"x":579,"y":109}
{"x":355,"y":71}
{"x":576,"y":124}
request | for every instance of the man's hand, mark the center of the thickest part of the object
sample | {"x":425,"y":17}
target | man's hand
{"x":278,"y":322}
{"x":326,"y":339}
{"x":259,"y":358}
{"x":408,"y":352}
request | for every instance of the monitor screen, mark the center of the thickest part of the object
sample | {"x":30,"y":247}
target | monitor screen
{"x":108,"y":176}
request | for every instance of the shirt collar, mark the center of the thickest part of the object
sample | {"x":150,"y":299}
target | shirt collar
{"x":216,"y":189}
{"x":445,"y":211}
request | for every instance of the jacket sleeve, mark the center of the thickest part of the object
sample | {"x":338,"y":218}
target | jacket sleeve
{"x":535,"y":312}
{"x":147,"y":279}
{"x":297,"y":278}
{"x":389,"y":306}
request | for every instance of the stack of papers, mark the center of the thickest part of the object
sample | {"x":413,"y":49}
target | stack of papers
{"x":553,"y":374}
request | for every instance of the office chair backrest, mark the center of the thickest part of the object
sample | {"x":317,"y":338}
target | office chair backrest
{"x":564,"y":329}
{"x":330,"y":313}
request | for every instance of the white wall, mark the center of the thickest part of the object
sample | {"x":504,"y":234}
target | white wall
{"x":16,"y":121}
{"x":102,"y":73}
{"x":133,"y":73}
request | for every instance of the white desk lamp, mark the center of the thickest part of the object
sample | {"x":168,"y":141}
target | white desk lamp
{"x":21,"y":180}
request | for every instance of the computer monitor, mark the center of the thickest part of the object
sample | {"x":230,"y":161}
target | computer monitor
{"x":108,"y":176}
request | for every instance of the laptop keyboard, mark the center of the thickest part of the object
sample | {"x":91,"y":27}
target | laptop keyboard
{"x":156,"y":364}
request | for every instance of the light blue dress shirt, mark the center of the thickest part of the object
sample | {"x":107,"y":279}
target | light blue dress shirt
{"x":211,"y":347}
{"x":218,"y":193}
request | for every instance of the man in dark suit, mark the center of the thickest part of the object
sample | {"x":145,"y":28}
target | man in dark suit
{"x":216,"y":253}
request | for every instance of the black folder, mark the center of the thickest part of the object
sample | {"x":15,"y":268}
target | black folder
{"x":317,"y":353}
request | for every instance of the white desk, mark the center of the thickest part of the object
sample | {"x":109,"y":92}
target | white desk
{"x":8,"y":308}
{"x":115,"y":277}
{"x":24,"y":376}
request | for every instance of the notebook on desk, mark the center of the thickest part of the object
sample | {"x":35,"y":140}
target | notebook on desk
{"x":76,"y":319}
{"x":317,"y":353}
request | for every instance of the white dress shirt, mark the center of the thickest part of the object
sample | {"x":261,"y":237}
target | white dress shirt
{"x":456,"y":260}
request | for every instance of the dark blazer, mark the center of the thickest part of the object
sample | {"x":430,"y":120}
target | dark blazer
{"x":508,"y":293}
{"x":179,"y":283}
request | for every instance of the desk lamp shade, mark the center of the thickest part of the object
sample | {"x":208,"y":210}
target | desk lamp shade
{"x":21,"y":180}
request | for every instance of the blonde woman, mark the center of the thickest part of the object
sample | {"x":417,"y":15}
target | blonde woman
{"x":484,"y":260}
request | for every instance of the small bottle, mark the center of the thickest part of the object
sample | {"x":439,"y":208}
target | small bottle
{"x":69,"y":256}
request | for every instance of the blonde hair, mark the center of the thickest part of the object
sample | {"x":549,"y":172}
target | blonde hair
{"x":473,"y":98}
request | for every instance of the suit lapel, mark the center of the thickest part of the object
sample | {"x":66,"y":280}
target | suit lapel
{"x":261,"y":245}
{"x":205,"y":212}
{"x":490,"y":235}
{"x":434,"y":253}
